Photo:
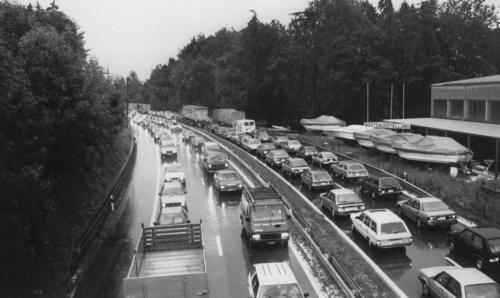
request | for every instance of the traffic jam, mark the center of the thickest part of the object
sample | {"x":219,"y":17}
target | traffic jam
{"x":418,"y":241}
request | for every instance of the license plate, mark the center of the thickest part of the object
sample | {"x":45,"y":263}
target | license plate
{"x":390,"y":190}
{"x":441,"y":218}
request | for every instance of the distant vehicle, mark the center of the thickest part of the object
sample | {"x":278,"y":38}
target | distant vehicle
{"x":452,"y":281}
{"x":342,"y":201}
{"x":277,"y":139}
{"x":175,"y":128}
{"x":220,"y":130}
{"x":275,"y":158}
{"x":262,"y":135}
{"x":241,"y":137}
{"x":187,"y":135}
{"x":382,"y":228}
{"x":294,"y":166}
{"x":428,"y":211}
{"x":317,"y":179}
{"x":263,"y":149}
{"x":273,"y":280}
{"x":195,"y":114}
{"x":264,"y":216}
{"x":244,"y":126}
{"x":307,"y":152}
{"x":168,"y":149}
{"x":227,"y":116}
{"x":228,"y":132}
{"x":250,"y":144}
{"x":349,"y":169}
{"x":227,"y":180}
{"x":479,"y":244}
{"x":174,"y":172}
{"x":164,"y":259}
{"x":291,"y":146}
{"x":324,"y":158}
{"x":381,"y":186}
{"x":212,"y":127}
{"x":215,"y":161}
{"x":210,"y":147}
{"x":157,"y":135}
{"x":197,"y":143}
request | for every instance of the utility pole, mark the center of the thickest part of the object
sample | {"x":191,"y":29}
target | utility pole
{"x":403,"y":100}
{"x":392,"y":92}
{"x":367,"y":101}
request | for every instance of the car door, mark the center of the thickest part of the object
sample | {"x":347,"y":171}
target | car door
{"x":438,"y":283}
{"x":366,"y":228}
{"x":413,"y":209}
{"x":465,"y":240}
{"x":477,"y":247}
{"x":332,"y":201}
{"x":358,"y":224}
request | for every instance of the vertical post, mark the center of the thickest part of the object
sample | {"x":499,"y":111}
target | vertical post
{"x":403,"y":101}
{"x":468,"y":141}
{"x":497,"y":148}
{"x":392,"y":92}
{"x":136,"y":266}
{"x":367,"y":101}
{"x":126,"y":100}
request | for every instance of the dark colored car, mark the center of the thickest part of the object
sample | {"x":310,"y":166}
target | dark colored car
{"x":263,"y":149}
{"x":197,"y":143}
{"x":294,"y":166}
{"x":227,"y":180}
{"x":307,"y":152}
{"x":479,"y":244}
{"x":427,"y":211}
{"x":317,"y":179}
{"x":215,"y":161}
{"x":324,"y":158}
{"x":380,"y":186}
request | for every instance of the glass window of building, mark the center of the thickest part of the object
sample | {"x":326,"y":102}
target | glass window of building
{"x":440,"y":108}
{"x":477,"y":110}
{"x":494,"y":111}
{"x":457,"y":109}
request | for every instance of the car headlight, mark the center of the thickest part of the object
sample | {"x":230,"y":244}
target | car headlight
{"x":225,"y":164}
{"x":431,"y":218}
{"x":493,"y":260}
{"x":222,"y":186}
{"x":209,"y":166}
{"x":379,"y":242}
{"x":256,"y":236}
{"x":240,"y":185}
{"x":285,"y":235}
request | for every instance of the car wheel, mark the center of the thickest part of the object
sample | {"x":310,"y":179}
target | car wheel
{"x":419,"y":223}
{"x":479,"y":264}
{"x":425,"y":289}
{"x":373,"y":196}
{"x":451,"y":245}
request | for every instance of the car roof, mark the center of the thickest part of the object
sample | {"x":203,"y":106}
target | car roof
{"x":275,"y":273}
{"x":296,"y":159}
{"x":226,"y":171}
{"x":383,"y":215}
{"x":487,"y":232}
{"x":342,"y":191}
{"x":278,"y":150}
{"x":319,"y":171}
{"x":468,"y":276}
{"x":173,"y":199}
{"x":429,"y":199}
{"x":351,"y":162}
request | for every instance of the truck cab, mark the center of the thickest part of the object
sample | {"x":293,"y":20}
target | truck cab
{"x":273,"y":280}
{"x":264,"y":217}
{"x":244,"y":126}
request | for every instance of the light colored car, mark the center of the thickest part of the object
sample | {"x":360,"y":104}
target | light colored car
{"x":250,"y":144}
{"x":453,"y":281}
{"x":263,"y":149}
{"x":381,"y":228}
{"x":324,"y":158}
{"x":349,"y":169}
{"x":341,"y":201}
{"x":210,"y":146}
{"x":291,"y":146}
{"x":428,"y":211}
{"x":294,"y":166}
{"x":273,"y":280}
{"x":317,"y":179}
{"x":174,"y":172}
{"x":275,"y":158}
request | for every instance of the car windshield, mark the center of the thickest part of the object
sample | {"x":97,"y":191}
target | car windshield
{"x":268,"y":212}
{"x":212,"y":146}
{"x":262,"y":134}
{"x":482,"y":291}
{"x":229,"y":176}
{"x":348,"y":198}
{"x":494,"y":245}
{"x":389,"y":182}
{"x":434,"y":206}
{"x":299,"y":163}
{"x":321,"y":176}
{"x":175,"y":204}
{"x":254,"y":142}
{"x":328,"y":155}
{"x":217,"y":157}
{"x":294,"y":143}
{"x":356,"y":167}
{"x":173,"y":190}
{"x":281,"y":139}
{"x":281,"y":291}
{"x":168,"y":144}
{"x":392,"y":228}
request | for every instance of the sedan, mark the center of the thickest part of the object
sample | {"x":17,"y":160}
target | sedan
{"x":324,"y":158}
{"x":227,"y":180}
{"x":263,"y":149}
{"x":452,"y":281}
{"x":428,"y":211}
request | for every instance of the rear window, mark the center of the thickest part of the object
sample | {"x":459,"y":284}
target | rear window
{"x":356,"y":167}
{"x":494,"y":245}
{"x":434,"y":206}
{"x":229,"y":176}
{"x":389,"y":182}
{"x":299,"y":163}
{"x":348,"y":198}
{"x":217,"y":157}
{"x":280,"y":153}
{"x":174,"y":168}
{"x":294,"y":143}
{"x":328,"y":155}
{"x":267,"y":146}
{"x":254,"y":141}
{"x":392,"y":228}
{"x":482,"y":291}
{"x":321,"y":176}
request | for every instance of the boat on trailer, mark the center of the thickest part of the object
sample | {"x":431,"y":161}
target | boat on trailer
{"x":347,"y":133}
{"x":322,"y":123}
{"x":363,"y":137}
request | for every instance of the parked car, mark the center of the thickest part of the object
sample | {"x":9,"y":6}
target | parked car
{"x":341,"y":201}
{"x":317,"y":179}
{"x":227,"y":180}
{"x":294,"y":166}
{"x":349,"y":169}
{"x":291,"y":146}
{"x":453,"y":281}
{"x":427,"y":211}
{"x":382,"y":228}
{"x":307,"y":152}
{"x":273,"y":280}
{"x":324,"y":158}
{"x":174,"y":172}
{"x":250,"y":144}
{"x":381,"y":186}
{"x":215,"y":161}
{"x":277,"y":139}
{"x":276,"y":157}
{"x":479,"y":244}
{"x":263,"y":149}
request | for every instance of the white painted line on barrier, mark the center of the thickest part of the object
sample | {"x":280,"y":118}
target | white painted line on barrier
{"x":466,"y":222}
{"x":219,"y":245}
{"x":316,"y":285}
{"x":157,"y":189}
{"x":237,"y":169}
{"x":452,"y":262}
{"x":202,"y":181}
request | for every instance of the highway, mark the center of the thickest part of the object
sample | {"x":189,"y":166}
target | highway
{"x":228,"y":256}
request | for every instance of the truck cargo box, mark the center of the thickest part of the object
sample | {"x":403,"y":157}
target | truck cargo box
{"x":227,"y":116}
{"x":195,"y":113}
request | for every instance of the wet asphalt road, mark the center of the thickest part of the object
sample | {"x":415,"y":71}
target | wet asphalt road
{"x":228,"y":258}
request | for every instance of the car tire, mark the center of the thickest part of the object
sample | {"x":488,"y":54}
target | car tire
{"x":373,"y":195}
{"x":451,"y":245}
{"x":420,"y":224}
{"x":479,"y":264}
{"x":425,"y":289}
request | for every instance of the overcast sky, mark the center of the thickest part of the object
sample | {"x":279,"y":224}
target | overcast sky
{"x":127,"y":35}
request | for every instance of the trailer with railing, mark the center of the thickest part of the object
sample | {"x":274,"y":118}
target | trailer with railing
{"x":168,"y":262}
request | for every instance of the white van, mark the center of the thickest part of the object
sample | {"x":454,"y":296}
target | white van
{"x":244,"y":126}
{"x":273,"y":280}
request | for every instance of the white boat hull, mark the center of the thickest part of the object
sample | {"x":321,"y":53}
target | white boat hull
{"x":385,"y":148}
{"x":346,"y":135}
{"x":434,"y":158}
{"x":365,"y":143}
{"x":321,"y":127}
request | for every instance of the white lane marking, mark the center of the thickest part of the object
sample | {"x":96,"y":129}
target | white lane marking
{"x":316,"y":285}
{"x":202,"y":181}
{"x":237,"y":169}
{"x":219,"y":245}
{"x":157,"y":197}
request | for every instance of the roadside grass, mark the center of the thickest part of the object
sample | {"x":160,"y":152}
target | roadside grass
{"x":464,"y":196}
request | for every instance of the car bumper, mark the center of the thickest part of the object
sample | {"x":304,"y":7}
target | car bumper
{"x":348,"y":211}
{"x":271,"y":238}
{"x":441,"y":223}
{"x":394,"y":244}
{"x":229,"y":188}
{"x":322,"y":186}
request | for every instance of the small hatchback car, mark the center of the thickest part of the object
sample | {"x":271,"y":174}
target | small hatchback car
{"x":341,"y":201}
{"x":307,"y":152}
{"x":294,"y":166}
{"x":227,"y":180}
{"x":324,"y":158}
{"x":349,"y":169}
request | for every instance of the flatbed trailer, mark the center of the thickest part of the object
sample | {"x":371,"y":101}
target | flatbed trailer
{"x":169,"y":262}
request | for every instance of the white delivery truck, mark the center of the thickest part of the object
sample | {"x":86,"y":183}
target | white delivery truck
{"x":244,"y":126}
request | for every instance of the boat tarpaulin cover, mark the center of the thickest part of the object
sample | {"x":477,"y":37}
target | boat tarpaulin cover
{"x":434,"y":144}
{"x":383,"y":136}
{"x":368,"y":133}
{"x":405,"y":137}
{"x":323,"y":120}
{"x":352,"y":128}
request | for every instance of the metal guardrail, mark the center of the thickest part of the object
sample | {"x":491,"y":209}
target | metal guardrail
{"x":93,"y":228}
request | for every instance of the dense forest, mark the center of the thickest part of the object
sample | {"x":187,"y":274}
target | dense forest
{"x":58,"y":114}
{"x":322,"y":61}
